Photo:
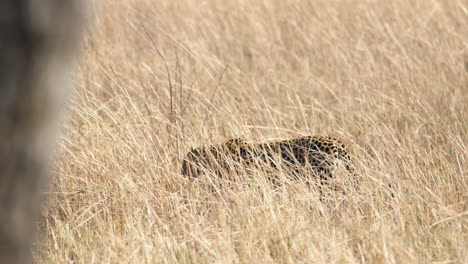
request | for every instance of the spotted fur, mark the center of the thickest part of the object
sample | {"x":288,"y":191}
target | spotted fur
{"x":319,"y":155}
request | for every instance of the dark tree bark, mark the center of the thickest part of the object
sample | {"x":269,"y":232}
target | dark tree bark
{"x":37,"y":44}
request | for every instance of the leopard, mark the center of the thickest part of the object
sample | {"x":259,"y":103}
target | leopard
{"x":217,"y":159}
{"x":319,"y":156}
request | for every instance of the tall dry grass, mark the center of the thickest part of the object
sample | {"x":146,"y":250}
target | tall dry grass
{"x":389,"y":78}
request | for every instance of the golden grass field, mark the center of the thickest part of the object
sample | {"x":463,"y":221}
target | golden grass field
{"x":155,"y":78}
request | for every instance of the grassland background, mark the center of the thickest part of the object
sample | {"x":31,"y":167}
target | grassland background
{"x":390,"y":78}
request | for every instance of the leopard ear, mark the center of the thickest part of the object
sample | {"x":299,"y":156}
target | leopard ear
{"x":193,"y":151}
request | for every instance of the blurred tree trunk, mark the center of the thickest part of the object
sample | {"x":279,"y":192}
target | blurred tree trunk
{"x":37,"y":43}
